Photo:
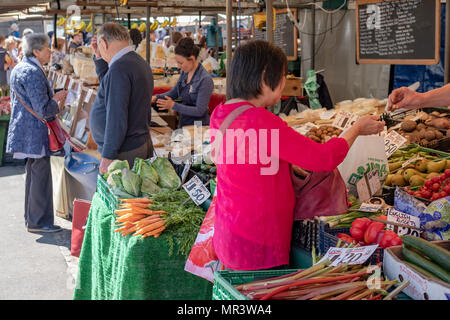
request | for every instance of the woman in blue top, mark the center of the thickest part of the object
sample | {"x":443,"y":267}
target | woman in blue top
{"x":194,"y":87}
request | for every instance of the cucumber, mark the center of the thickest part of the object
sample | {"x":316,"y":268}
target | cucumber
{"x":416,"y":259}
{"x":437,"y":254}
{"x":420,"y":270}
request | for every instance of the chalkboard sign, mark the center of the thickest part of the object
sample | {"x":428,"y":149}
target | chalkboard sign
{"x":398,"y":31}
{"x":284,"y":35}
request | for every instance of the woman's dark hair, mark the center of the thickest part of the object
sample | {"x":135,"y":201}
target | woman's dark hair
{"x":176,"y":36}
{"x":203,"y":42}
{"x":136,"y":37}
{"x":254,"y":62}
{"x":187,"y":48}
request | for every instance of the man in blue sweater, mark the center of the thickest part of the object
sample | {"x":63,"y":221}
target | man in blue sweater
{"x":120,"y":116}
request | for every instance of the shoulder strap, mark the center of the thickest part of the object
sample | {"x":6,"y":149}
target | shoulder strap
{"x":28,"y":108}
{"x":223,"y":127}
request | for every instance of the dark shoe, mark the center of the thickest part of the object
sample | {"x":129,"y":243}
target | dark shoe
{"x":45,"y":229}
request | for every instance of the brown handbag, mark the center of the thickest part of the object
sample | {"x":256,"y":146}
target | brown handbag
{"x":317,"y":194}
{"x":56,"y":135}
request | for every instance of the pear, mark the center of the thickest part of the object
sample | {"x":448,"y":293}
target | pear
{"x":432,"y":175}
{"x":394,"y":166}
{"x":416,"y":181}
{"x":436,"y":166}
{"x":422,"y":165}
{"x":398,"y":180}
{"x":447,"y":166}
{"x":400,"y":172}
{"x":408,"y":173}
{"x":388,"y":181}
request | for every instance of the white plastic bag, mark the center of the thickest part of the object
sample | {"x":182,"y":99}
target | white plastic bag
{"x":367,"y":153}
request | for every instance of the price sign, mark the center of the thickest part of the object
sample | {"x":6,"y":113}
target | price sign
{"x":304,"y":129}
{"x":392,"y":142}
{"x":357,"y":255}
{"x":370,"y":207}
{"x":368,"y":185}
{"x":405,"y":219}
{"x":344,"y":120}
{"x":197,"y":190}
{"x":407,"y":163}
{"x":327,"y":115}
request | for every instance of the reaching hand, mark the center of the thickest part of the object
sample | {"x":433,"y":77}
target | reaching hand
{"x":404,"y":98}
{"x":369,"y":125}
{"x":166,"y":103}
{"x":94,"y":45}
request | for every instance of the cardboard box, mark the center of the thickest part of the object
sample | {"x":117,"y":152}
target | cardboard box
{"x":421,"y":287}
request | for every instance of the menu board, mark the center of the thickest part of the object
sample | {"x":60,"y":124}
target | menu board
{"x":398,"y":31}
{"x":284,"y":34}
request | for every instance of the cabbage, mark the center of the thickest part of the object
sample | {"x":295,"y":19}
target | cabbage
{"x":168,"y":178}
{"x":149,"y":187}
{"x":115,"y":179}
{"x":131,"y":182}
{"x":145,"y":170}
{"x":116,"y":165}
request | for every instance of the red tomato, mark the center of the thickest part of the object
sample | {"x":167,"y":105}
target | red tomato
{"x":428,"y":184}
{"x":435,"y":180}
{"x":447,"y":173}
{"x":426,"y":194}
{"x":434,"y":196}
{"x":436,"y":187}
{"x":447,"y":189}
{"x":411,"y":192}
{"x":442,"y":194}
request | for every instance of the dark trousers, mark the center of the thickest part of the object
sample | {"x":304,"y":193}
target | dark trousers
{"x":38,"y":193}
{"x":145,"y":151}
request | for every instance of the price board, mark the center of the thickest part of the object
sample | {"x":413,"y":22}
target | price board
{"x":196,"y":190}
{"x":393,"y":141}
{"x":357,"y":255}
{"x":405,"y":219}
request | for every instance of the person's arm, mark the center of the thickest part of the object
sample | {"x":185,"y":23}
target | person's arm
{"x":172,"y":93}
{"x":205,"y":91}
{"x":307,"y":154}
{"x":404,"y":98}
{"x":101,"y":68}
{"x":117,"y":99}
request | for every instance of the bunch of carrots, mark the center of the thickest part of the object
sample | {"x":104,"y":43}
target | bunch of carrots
{"x":319,"y":282}
{"x":134,"y":216}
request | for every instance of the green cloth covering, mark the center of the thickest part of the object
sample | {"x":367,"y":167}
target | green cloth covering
{"x":311,"y":87}
{"x":112,"y":267}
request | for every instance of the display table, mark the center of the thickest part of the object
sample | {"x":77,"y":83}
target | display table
{"x":112,"y":267}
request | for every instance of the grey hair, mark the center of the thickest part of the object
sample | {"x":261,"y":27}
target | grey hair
{"x":34,"y":41}
{"x":27,"y":31}
{"x":112,"y":31}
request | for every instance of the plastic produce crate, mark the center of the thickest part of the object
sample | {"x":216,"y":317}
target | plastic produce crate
{"x":225,"y":280}
{"x":305,"y":234}
{"x":328,"y":238}
{"x":106,"y":194}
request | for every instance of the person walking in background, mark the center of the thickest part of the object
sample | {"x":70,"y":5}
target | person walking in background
{"x":58,"y":52}
{"x":136,"y":38}
{"x":121,"y":112}
{"x":14,"y":30}
{"x":5,"y":62}
{"x":203,"y":55}
{"x":77,"y":41}
{"x":27,"y":31}
{"x":10,"y":45}
{"x":28,"y":136}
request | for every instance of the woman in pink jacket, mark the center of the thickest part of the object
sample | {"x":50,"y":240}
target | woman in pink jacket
{"x":255,"y":197}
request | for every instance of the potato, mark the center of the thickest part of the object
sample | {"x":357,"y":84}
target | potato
{"x":430,"y":135}
{"x":420,"y":126}
{"x":424,"y":142}
{"x":439,"y":135}
{"x":422,"y":133}
{"x":448,"y":133}
{"x":408,"y":125}
{"x":440,"y":123}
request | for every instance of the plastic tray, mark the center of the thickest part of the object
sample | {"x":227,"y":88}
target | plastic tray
{"x":105,"y":193}
{"x":225,"y":280}
{"x":305,"y":234}
{"x":328,"y":238}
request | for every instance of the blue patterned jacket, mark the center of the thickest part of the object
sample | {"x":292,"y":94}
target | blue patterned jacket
{"x":27,"y":134}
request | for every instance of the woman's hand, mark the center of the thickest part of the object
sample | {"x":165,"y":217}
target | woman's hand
{"x":104,"y":164}
{"x":154,"y":99}
{"x":60,"y":96}
{"x":404,"y":98}
{"x":368,"y":125}
{"x":165,"y":104}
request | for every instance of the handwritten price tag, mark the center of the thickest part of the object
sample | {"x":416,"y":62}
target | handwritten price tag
{"x":403,"y":218}
{"x":344,"y":120}
{"x":197,"y":190}
{"x":392,"y":142}
{"x":368,"y":185}
{"x":370,"y":207}
{"x":357,"y":255}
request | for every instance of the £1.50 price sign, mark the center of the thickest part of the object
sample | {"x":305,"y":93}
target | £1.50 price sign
{"x":197,"y":190}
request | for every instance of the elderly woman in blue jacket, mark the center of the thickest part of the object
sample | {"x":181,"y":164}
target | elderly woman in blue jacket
{"x":27,"y":136}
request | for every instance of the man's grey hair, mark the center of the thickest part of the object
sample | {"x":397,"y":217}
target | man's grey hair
{"x":112,"y":31}
{"x":34,"y":41}
{"x":27,"y":31}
